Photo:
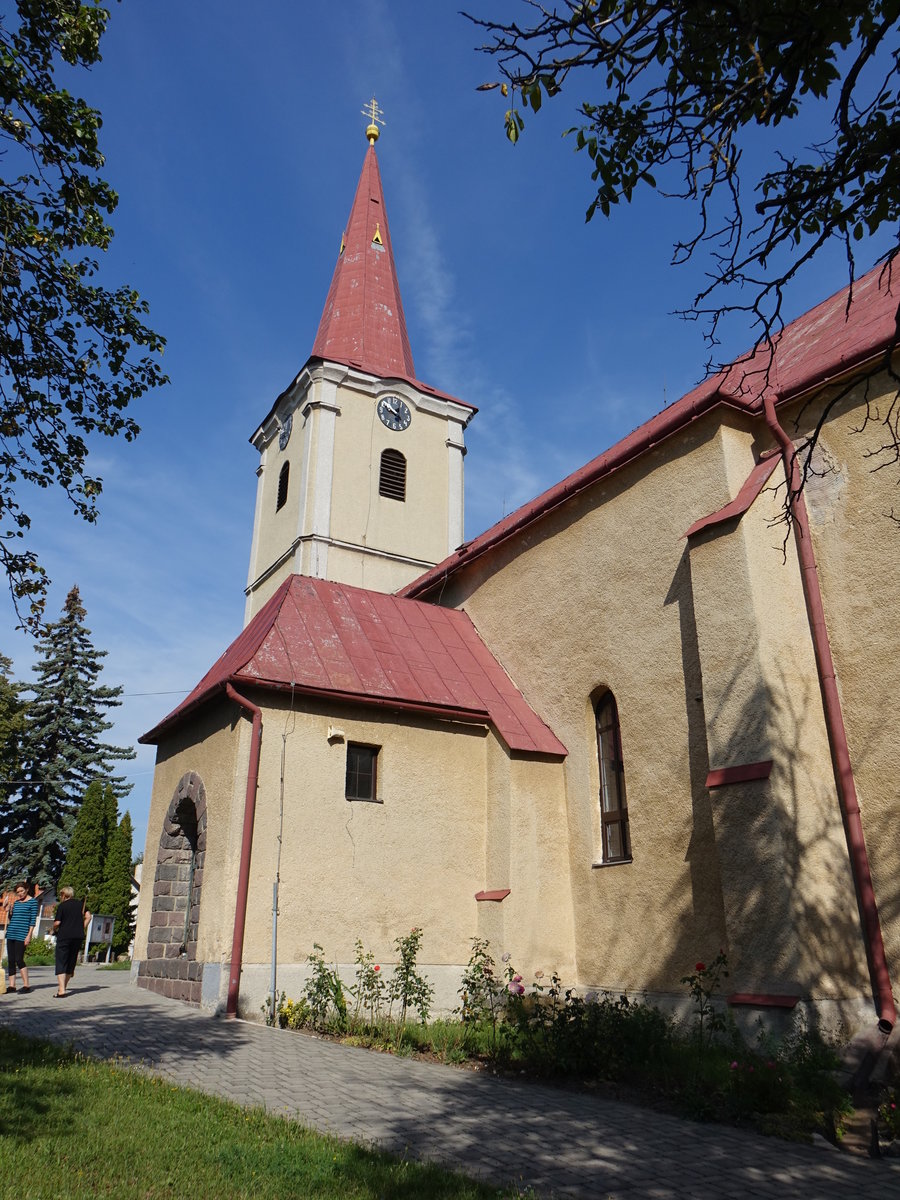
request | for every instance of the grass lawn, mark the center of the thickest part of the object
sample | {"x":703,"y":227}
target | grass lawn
{"x":75,"y":1128}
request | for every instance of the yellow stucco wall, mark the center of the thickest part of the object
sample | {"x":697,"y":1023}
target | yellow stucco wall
{"x":370,"y":870}
{"x":619,"y":615}
{"x":417,"y":526}
{"x":526,"y":851}
{"x":277,"y":529}
{"x":791,"y":918}
{"x":710,"y":658}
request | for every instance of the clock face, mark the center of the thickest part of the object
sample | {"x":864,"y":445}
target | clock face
{"x":284,"y":433}
{"x":394,"y":413}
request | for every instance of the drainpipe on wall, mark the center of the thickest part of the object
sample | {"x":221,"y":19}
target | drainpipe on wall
{"x":240,"y":908}
{"x":834,"y":721}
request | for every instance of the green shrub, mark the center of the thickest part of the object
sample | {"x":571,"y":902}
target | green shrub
{"x":369,"y":992}
{"x":323,"y":994}
{"x":410,"y":990}
{"x":40,"y":953}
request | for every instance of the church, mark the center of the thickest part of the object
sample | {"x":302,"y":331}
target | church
{"x":638,"y":721}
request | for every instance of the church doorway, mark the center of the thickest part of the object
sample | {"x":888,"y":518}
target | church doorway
{"x":171,"y":966}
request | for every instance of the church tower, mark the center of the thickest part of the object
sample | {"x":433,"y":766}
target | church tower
{"x":360,"y":476}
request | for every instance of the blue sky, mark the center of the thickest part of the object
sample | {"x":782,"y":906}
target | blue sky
{"x":235,"y":139}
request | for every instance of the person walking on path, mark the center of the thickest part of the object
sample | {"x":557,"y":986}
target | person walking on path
{"x":18,"y":934}
{"x":69,"y":925}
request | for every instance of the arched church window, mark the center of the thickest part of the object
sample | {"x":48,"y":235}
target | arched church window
{"x":283,"y":486}
{"x":616,"y":840}
{"x":392,"y":479}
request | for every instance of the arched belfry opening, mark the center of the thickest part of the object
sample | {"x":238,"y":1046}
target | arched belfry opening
{"x":171,"y":965}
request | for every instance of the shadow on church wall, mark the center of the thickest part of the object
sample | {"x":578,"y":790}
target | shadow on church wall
{"x":775,"y":849}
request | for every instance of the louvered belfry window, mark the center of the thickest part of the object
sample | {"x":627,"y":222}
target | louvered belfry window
{"x":392,"y":480}
{"x":283,"y":486}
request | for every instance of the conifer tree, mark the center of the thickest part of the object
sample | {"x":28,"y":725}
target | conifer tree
{"x":115,"y":900}
{"x":12,"y":725}
{"x":62,"y":747}
{"x":89,"y":846}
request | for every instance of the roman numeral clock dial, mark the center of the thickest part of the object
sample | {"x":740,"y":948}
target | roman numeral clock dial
{"x":394,"y":413}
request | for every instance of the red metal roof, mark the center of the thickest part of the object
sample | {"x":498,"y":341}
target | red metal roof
{"x":347,"y":643}
{"x":829,"y":340}
{"x":362,"y":323}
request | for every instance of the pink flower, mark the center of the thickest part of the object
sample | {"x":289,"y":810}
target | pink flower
{"x":700,"y":966}
{"x":517,"y":978}
{"x":507,"y":956}
{"x":515,"y":986}
{"x":734,"y":1065}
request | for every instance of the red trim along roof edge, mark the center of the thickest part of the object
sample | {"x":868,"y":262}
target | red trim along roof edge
{"x":820,"y":346}
{"x":498,"y":894}
{"x":746,"y":773}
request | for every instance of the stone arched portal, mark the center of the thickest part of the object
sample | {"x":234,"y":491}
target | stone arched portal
{"x":171,"y":965}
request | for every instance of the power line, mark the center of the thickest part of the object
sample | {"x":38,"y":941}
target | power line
{"x":174,"y":692}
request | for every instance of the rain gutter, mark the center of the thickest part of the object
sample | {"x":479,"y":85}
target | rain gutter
{"x":240,"y":908}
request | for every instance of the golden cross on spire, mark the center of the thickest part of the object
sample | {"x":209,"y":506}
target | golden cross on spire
{"x":376,"y":118}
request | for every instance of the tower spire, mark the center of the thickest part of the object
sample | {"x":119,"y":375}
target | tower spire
{"x":362,"y":323}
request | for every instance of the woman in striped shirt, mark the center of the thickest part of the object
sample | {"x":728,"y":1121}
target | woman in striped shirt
{"x":22,"y":920}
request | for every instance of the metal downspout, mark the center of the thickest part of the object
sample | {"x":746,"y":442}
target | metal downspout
{"x":240,"y":907}
{"x":834,"y":721}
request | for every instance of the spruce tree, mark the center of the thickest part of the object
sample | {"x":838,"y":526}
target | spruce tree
{"x":12,"y":726}
{"x":89,"y":846}
{"x":115,"y":899}
{"x":62,"y":747}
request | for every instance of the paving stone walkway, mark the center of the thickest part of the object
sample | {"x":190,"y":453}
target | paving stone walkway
{"x":558,"y":1142}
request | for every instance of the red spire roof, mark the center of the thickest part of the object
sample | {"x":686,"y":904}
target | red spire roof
{"x":363,"y":324}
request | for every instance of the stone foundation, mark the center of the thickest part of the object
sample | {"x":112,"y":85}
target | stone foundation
{"x":171,"y":966}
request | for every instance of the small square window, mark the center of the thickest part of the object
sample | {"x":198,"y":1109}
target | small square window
{"x":362,"y":772}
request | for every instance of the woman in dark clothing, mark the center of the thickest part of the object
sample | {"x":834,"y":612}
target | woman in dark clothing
{"x":69,"y":926}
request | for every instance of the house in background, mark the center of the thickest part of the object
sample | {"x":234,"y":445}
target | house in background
{"x":633,"y":723}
